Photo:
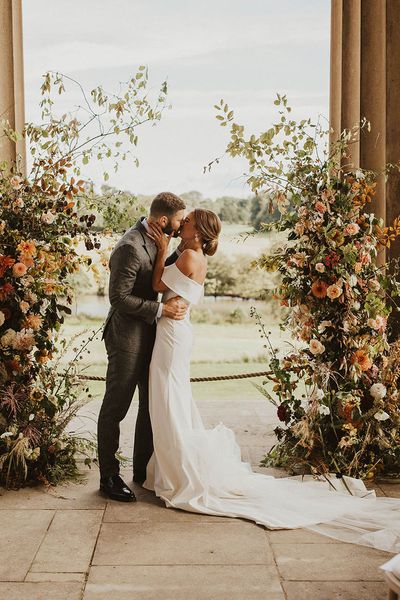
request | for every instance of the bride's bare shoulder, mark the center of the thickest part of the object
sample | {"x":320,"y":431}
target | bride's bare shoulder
{"x":190,"y":261}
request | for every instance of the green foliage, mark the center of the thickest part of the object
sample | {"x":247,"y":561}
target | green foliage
{"x":44,"y":217}
{"x":336,"y":392}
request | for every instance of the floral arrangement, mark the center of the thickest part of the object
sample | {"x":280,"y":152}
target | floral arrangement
{"x":43,"y":218}
{"x":336,"y":392}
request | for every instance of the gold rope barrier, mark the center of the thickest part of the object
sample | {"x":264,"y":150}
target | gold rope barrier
{"x":196,"y":379}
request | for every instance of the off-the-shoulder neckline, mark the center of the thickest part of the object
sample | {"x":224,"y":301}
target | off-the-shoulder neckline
{"x":183,"y":274}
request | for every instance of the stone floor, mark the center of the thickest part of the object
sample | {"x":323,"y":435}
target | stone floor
{"x":70,"y":543}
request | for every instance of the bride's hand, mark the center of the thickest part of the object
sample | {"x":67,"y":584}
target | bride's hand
{"x":160,"y":238}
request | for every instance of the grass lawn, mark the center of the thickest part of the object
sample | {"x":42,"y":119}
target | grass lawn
{"x":219,"y":350}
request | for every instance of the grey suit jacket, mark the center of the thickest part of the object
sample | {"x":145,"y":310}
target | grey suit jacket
{"x":130,"y":323}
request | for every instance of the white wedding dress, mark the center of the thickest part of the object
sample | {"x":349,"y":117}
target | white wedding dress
{"x":200,"y":470}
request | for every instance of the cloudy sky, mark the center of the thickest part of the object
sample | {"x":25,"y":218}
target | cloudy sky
{"x":241,"y":50}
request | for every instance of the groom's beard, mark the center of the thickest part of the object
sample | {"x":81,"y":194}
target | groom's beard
{"x":168,"y":230}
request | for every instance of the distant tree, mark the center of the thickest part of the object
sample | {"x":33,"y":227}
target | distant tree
{"x":262,"y":211}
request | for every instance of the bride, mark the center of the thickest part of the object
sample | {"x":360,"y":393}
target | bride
{"x":200,"y":470}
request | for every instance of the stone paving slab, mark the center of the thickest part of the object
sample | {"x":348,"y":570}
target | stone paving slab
{"x":40,"y":591}
{"x":298,"y":536}
{"x":183,"y":543}
{"x":338,"y":590}
{"x":329,"y":562}
{"x":250,"y":582}
{"x":22,"y":532}
{"x":69,"y":543}
{"x":56,"y":577}
{"x":150,"y":508}
{"x":69,"y":496}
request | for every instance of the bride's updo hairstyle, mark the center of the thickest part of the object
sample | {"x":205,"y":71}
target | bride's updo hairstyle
{"x":209,"y":227}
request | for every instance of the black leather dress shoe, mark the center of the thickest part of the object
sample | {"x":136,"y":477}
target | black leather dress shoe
{"x":116,"y":489}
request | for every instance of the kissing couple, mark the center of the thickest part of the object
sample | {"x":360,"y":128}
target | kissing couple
{"x":190,"y":467}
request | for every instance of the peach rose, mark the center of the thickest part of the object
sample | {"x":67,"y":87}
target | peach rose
{"x":16,"y":182}
{"x":23,"y":340}
{"x":33,"y":322}
{"x":358,"y":267}
{"x":19,"y":269}
{"x":365,"y":258}
{"x":334,"y":291}
{"x":19,"y":203}
{"x":316,"y":347}
{"x":24,"y":306}
{"x":320,"y":207}
{"x":352,"y":229}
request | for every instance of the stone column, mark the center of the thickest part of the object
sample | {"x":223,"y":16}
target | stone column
{"x":373,"y":94}
{"x":392,"y":113}
{"x":365,"y":82}
{"x":12,"y":78}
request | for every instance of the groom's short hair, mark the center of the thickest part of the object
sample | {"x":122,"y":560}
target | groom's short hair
{"x":166,"y":204}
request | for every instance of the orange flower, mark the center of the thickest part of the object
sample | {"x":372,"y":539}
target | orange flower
{"x":27,"y":247}
{"x":319,"y":288}
{"x":33,"y":322}
{"x":27,"y":260}
{"x":19,"y":269}
{"x":5,"y":262}
{"x":361,"y":358}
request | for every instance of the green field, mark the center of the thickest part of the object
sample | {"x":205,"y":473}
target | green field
{"x":219,"y":350}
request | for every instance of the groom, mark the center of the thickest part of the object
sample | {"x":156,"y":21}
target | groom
{"x":129,"y":334}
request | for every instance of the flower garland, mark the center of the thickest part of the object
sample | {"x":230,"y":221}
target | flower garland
{"x":336,"y":393}
{"x":43,"y":217}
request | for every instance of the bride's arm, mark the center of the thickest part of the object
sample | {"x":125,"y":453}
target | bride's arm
{"x":162,"y":242}
{"x":158,"y":285}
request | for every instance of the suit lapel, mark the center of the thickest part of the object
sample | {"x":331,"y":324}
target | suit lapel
{"x":148,"y":244}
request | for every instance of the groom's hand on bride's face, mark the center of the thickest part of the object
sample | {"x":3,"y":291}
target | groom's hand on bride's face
{"x":175,"y":308}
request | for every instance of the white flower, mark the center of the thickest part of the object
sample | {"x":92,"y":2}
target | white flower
{"x":374,"y":285}
{"x":356,"y":306}
{"x":6,"y":434}
{"x":381,"y":415}
{"x":320,"y":267}
{"x":2,"y":318}
{"x":319,"y":394}
{"x":323,"y":325}
{"x":31,"y":417}
{"x":48,"y":217}
{"x":377,"y":391}
{"x":316,"y":347}
{"x":324,"y":410}
{"x":353,"y":280}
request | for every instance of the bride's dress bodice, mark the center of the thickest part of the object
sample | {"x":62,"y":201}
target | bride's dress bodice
{"x":180,"y":285}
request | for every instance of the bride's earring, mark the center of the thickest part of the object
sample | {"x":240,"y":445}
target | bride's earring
{"x":196,"y":238}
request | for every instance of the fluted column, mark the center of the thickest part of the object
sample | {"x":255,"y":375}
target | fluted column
{"x":12,"y":78}
{"x":365,"y":83}
{"x":392,"y":113}
{"x":373,"y":94}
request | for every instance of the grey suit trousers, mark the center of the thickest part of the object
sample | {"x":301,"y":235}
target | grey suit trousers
{"x":126,"y":371}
